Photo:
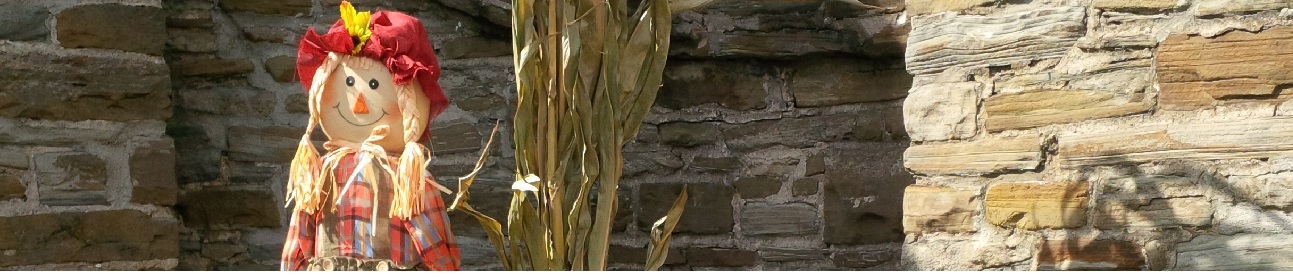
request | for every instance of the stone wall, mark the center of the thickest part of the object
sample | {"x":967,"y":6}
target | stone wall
{"x":787,"y":130}
{"x":1098,"y":134}
{"x":87,"y":173}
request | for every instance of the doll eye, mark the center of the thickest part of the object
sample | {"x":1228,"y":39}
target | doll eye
{"x":350,"y":81}
{"x":372,"y":84}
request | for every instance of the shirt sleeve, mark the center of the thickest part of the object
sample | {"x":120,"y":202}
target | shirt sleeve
{"x":299,"y":246}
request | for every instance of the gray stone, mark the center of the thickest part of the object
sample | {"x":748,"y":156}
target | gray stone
{"x":226,"y":101}
{"x":297,"y":103}
{"x":23,"y":22}
{"x":816,"y":164}
{"x":864,"y":258}
{"x":720,"y":257}
{"x":264,"y":144}
{"x":737,"y":86}
{"x":455,"y":137}
{"x":101,"y":236}
{"x":861,"y":192}
{"x":798,"y":132}
{"x":282,"y":68}
{"x":652,"y":162}
{"x":783,"y":219}
{"x":13,"y":157}
{"x":790,"y":255}
{"x":756,"y":187}
{"x":288,"y":7}
{"x":152,"y":170}
{"x":196,"y":159}
{"x":715,"y":164}
{"x":220,"y":207}
{"x":804,"y":187}
{"x":474,"y":47}
{"x":690,"y":134}
{"x":836,"y":83}
{"x":140,"y":29}
{"x":203,"y":66}
{"x":708,"y":209}
{"x":251,"y":172}
{"x":71,"y":179}
{"x":638,"y":255}
{"x":44,"y":82}
{"x":191,"y":40}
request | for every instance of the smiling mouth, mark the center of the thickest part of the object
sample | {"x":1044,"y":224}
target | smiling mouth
{"x":343,"y":117}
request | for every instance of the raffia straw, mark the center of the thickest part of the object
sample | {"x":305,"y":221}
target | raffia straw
{"x":304,"y":182}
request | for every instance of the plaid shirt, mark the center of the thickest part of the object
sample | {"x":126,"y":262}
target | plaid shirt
{"x":424,"y":238}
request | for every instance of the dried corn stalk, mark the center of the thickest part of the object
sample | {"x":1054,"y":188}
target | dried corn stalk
{"x":587,"y":72}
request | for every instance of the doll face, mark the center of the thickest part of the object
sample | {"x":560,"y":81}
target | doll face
{"x":359,"y":96}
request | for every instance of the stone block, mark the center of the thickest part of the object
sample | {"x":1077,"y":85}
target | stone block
{"x":942,"y":111}
{"x":919,"y":7}
{"x":721,"y":257}
{"x":1037,"y":205}
{"x":797,"y":132}
{"x":1041,"y":108}
{"x":1208,"y":8}
{"x":860,"y":191}
{"x":252,"y":172}
{"x":220,"y":207}
{"x":1196,"y":72}
{"x":804,"y":187}
{"x":734,"y":85}
{"x":226,"y":101}
{"x":93,"y":237}
{"x":192,"y":40}
{"x":1089,"y":254}
{"x":708,"y":209}
{"x":984,"y":156}
{"x":1238,"y":252}
{"x":776,"y":220}
{"x":756,"y":187}
{"x":196,"y":158}
{"x":287,"y":7}
{"x":690,"y":134}
{"x":974,"y":41}
{"x":297,"y":103}
{"x":939,"y":209}
{"x":621,"y":254}
{"x":14,"y":157}
{"x":152,"y":171}
{"x":140,"y":29}
{"x":282,"y":68}
{"x":863,"y":258}
{"x":455,"y":137}
{"x":20,"y":22}
{"x":1151,"y":201}
{"x":474,"y":47}
{"x":715,"y":164}
{"x":834,"y":83}
{"x":210,"y":67}
{"x":1136,"y":5}
{"x":263,"y":144}
{"x":71,"y":179}
{"x":790,"y":255}
{"x":45,"y":82}
{"x":1235,"y":139}
{"x":11,"y":187}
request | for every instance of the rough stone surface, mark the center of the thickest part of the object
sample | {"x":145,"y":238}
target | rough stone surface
{"x":1151,"y":201}
{"x":211,"y":208}
{"x":785,"y":219}
{"x":1136,"y":5}
{"x":859,"y":192}
{"x":1041,"y":108}
{"x":709,"y":208}
{"x":71,"y":179}
{"x":1238,"y":252}
{"x":1037,"y":205}
{"x":830,"y":84}
{"x":975,"y":158}
{"x":939,"y":209}
{"x":116,"y":235}
{"x":44,"y":82}
{"x":970,"y":41}
{"x":288,"y":8}
{"x":720,"y":257}
{"x":916,"y":7}
{"x":757,"y":186}
{"x":862,"y":259}
{"x":24,"y":23}
{"x":11,"y":187}
{"x":788,"y":255}
{"x":206,"y":66}
{"x":140,"y":29}
{"x":268,"y":144}
{"x":152,"y":168}
{"x":1198,"y":72}
{"x":1254,"y":138}
{"x":1216,"y":7}
{"x":1087,"y":254}
{"x":732,"y":85}
{"x":282,"y":68}
{"x":942,"y":111}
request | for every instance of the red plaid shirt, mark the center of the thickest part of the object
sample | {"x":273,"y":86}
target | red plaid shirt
{"x":424,"y":238}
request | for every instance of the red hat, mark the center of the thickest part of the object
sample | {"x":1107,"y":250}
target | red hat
{"x":398,"y":41}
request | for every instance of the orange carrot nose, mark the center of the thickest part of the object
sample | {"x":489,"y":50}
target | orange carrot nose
{"x":361,"y":107}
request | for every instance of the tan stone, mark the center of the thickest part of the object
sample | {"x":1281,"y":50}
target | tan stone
{"x":942,"y":111}
{"x":975,"y":158}
{"x":282,"y":68}
{"x":1041,"y":108}
{"x":1037,"y":205}
{"x":43,"y":81}
{"x":973,"y":41}
{"x":1089,"y":254}
{"x":101,"y":236}
{"x":1196,"y":72}
{"x":206,"y":66}
{"x":1122,"y":5}
{"x":1215,"y":7}
{"x":939,"y":209}
{"x":918,"y":7}
{"x":1238,"y":252}
{"x":1151,"y":201}
{"x":1244,"y":139}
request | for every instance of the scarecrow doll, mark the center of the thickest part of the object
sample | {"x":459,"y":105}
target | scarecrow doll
{"x":368,"y":203}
